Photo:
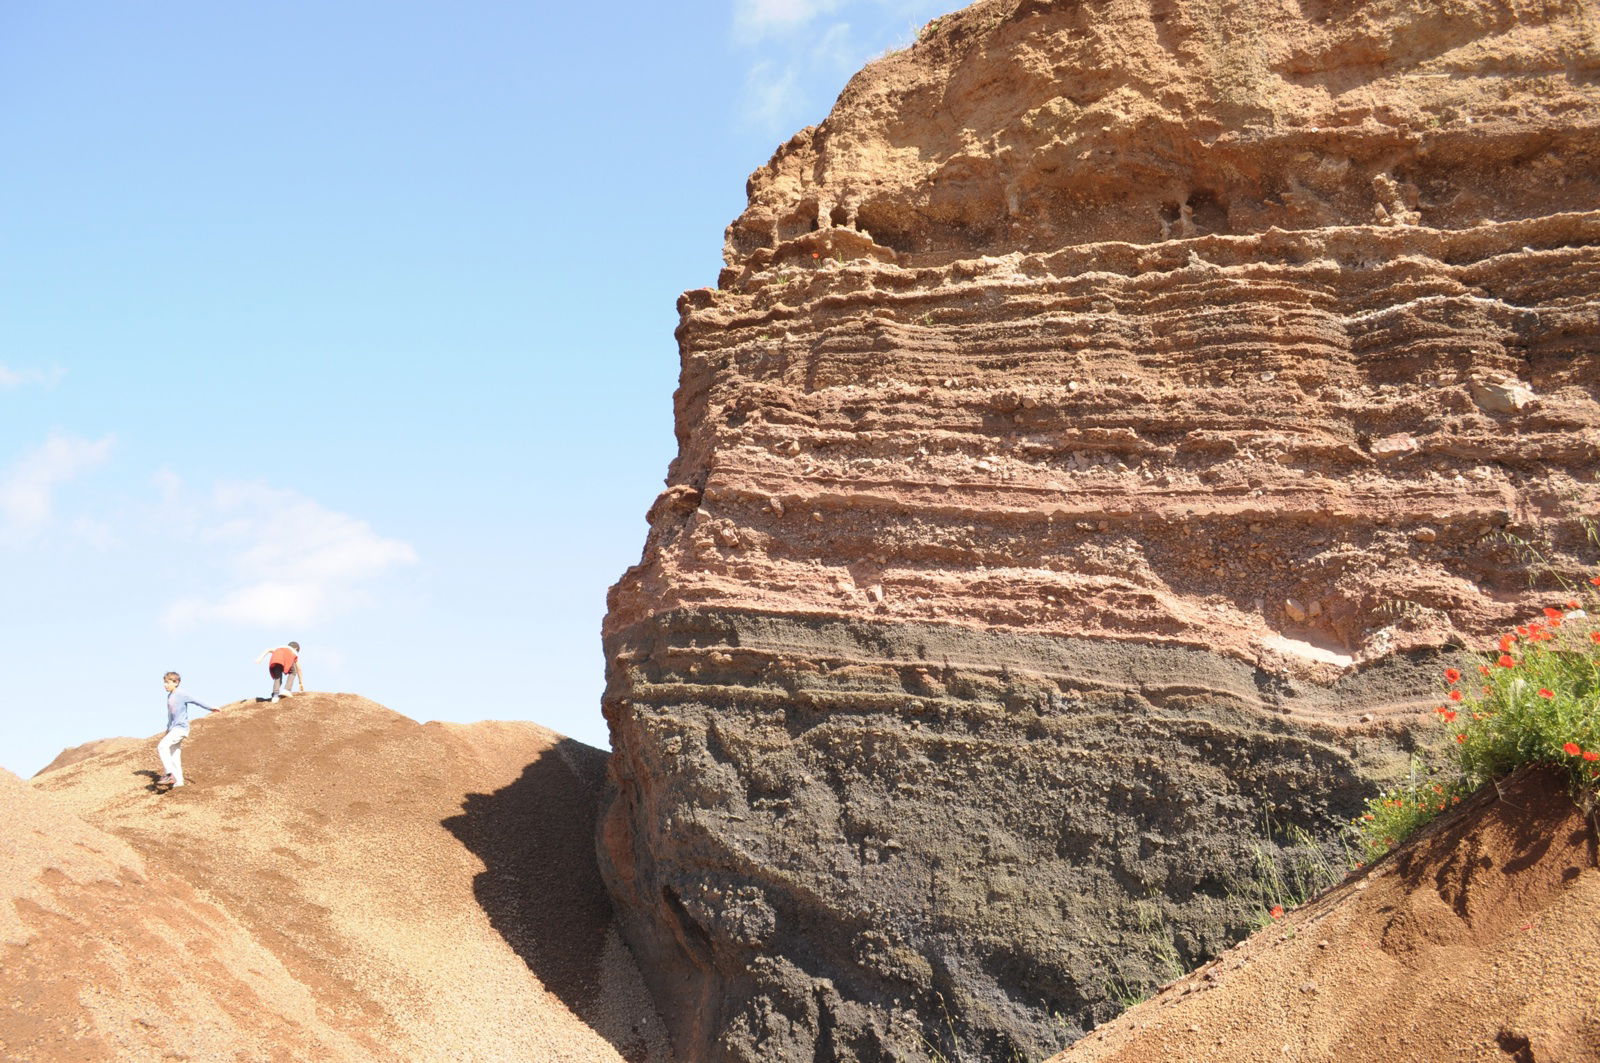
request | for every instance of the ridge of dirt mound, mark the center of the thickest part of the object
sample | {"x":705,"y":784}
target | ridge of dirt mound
{"x":416,"y":891}
{"x":1478,"y":940}
{"x":73,"y":754}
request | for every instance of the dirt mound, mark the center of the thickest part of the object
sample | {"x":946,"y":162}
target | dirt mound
{"x":1478,"y":940}
{"x":89,"y":749}
{"x":109,"y":956}
{"x":336,"y":882}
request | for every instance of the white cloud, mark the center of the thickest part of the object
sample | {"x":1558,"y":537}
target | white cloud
{"x":27,"y":491}
{"x":168,"y":483}
{"x":836,"y":49}
{"x":755,"y":19}
{"x":292,"y":561}
{"x":11,"y":379}
{"x":802,"y":50}
{"x":770,"y":96}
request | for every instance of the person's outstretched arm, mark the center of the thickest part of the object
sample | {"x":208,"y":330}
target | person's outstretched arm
{"x":199,"y":704}
{"x":298,"y":674}
{"x":264,"y":655}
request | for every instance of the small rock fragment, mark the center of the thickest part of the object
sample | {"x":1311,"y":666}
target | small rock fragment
{"x":1501,"y":396}
{"x":1395,"y":446}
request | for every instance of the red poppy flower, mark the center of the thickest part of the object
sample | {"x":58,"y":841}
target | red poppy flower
{"x":1571,"y":749}
{"x":1449,"y":717}
{"x":1277,"y":911}
{"x":1595,"y":580}
{"x":1594,"y":636}
{"x":1485,"y":668}
{"x":1546,"y":692}
{"x":1452,"y":676}
{"x":1553,"y":614}
{"x":1590,"y":754}
{"x":1461,"y":738}
{"x":1506,"y":661}
{"x":1456,"y":695}
{"x":1506,"y":642}
{"x":1522,"y":629}
{"x":1572,"y":605}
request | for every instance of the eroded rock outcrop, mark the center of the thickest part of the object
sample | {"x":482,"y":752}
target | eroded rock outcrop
{"x":1101,"y":420}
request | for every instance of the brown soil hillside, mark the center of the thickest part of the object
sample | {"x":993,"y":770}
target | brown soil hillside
{"x":1480,"y":940}
{"x":337,"y":882}
{"x":109,"y":956}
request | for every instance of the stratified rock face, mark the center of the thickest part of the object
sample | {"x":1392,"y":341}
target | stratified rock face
{"x":1104,"y":418}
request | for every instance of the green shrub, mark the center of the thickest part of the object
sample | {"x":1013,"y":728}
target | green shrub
{"x":1534,"y":699}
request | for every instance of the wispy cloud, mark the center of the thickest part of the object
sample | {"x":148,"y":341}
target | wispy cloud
{"x":12,"y":379}
{"x":770,"y":94}
{"x":28,"y":488}
{"x":803,"y":49}
{"x":755,"y":19}
{"x":291,"y":560}
{"x":836,"y":49}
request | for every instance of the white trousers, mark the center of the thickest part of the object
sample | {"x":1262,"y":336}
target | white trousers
{"x":171,"y":755}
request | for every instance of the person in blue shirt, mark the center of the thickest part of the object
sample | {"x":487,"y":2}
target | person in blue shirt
{"x":177,"y":729}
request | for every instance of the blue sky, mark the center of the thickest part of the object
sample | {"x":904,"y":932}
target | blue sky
{"x":351,"y":323}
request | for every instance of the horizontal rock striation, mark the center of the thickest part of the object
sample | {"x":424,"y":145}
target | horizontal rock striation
{"x":1104,"y":420}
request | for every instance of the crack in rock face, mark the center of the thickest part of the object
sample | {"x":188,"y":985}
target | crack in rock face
{"x":1104,"y":422}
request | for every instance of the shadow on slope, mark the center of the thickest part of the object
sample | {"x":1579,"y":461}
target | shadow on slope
{"x":541,"y":887}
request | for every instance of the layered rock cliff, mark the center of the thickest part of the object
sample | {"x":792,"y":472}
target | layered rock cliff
{"x":1102,"y":419}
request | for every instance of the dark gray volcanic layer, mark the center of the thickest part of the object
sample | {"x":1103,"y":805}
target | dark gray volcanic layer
{"x":847,"y":831}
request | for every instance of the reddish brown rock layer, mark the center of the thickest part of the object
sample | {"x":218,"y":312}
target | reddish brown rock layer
{"x":1101,"y":420}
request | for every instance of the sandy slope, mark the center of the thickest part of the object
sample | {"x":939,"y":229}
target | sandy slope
{"x":400,"y":890}
{"x":1477,"y":941}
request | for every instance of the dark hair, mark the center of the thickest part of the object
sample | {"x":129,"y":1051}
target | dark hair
{"x":295,"y":646}
{"x":174,"y":676}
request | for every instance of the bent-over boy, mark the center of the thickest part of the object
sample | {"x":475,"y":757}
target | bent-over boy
{"x":283,"y":665}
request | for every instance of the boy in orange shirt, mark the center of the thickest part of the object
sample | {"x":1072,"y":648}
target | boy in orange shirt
{"x":283,"y":663}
